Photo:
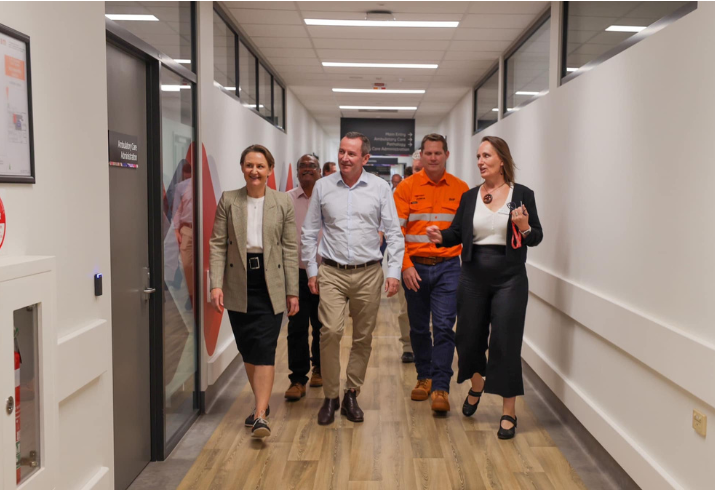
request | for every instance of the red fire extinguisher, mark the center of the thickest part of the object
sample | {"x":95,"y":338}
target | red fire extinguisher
{"x":18,"y":361}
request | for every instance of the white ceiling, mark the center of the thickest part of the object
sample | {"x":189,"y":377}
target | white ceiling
{"x":464,"y":54}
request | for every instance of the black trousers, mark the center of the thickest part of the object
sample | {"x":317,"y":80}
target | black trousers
{"x":492,"y":291}
{"x":299,"y":349}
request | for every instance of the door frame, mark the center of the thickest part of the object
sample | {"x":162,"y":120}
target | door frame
{"x":155,"y":62}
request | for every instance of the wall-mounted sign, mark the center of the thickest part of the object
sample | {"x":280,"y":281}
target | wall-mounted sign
{"x":17,"y":156}
{"x":390,"y":137}
{"x":2,"y":223}
{"x":123,"y":150}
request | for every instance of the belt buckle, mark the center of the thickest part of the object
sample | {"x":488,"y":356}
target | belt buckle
{"x":254,"y":263}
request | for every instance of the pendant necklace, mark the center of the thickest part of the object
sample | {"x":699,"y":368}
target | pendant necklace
{"x":488,"y":198}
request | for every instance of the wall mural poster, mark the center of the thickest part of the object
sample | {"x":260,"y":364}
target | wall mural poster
{"x":16,"y":153}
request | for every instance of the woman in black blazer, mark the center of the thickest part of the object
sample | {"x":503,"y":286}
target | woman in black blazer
{"x":495,"y":223}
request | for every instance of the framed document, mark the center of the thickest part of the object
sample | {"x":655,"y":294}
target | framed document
{"x":17,"y":155}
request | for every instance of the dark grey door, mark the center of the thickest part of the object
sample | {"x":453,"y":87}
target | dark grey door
{"x":126,"y":95}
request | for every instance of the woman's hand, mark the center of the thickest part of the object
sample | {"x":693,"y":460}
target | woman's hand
{"x":217,"y":299}
{"x":434,"y":234}
{"x":292,"y":305}
{"x":520,"y":218}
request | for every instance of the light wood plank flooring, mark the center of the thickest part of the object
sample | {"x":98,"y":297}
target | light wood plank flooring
{"x":401,"y":444}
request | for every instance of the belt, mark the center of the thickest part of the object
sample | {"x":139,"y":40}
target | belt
{"x":332,"y":263}
{"x":429,"y":260}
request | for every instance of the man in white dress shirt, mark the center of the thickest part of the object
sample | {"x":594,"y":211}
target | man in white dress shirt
{"x":349,"y":207}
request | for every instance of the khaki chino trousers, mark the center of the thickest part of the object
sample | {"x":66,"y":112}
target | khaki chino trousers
{"x":363,"y":288}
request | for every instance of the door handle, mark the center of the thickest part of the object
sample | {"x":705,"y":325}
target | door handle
{"x":10,"y":405}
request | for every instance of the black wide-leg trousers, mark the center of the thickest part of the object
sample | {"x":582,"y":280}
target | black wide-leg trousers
{"x":492,"y":292}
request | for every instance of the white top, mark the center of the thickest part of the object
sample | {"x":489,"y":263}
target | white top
{"x":490,"y":227}
{"x":254,"y":228}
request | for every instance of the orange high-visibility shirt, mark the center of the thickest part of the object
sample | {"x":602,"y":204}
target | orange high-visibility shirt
{"x":421,"y":203}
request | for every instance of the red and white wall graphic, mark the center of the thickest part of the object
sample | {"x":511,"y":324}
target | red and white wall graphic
{"x":3,"y":223}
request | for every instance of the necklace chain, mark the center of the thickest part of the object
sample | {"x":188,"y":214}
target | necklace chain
{"x":488,"y":196}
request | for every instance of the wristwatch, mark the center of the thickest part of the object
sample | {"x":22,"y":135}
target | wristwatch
{"x":525,"y":233}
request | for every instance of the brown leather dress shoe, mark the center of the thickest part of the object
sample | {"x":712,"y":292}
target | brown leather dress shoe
{"x":316,"y":380}
{"x":350,"y":407}
{"x":326,"y":415}
{"x":422,"y":390}
{"x":295,"y":392}
{"x":440,"y":401}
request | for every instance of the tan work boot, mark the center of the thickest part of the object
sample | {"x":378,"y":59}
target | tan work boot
{"x":316,"y":380}
{"x":440,"y":401}
{"x":422,"y":390}
{"x":295,"y":392}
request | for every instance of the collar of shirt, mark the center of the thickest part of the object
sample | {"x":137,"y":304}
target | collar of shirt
{"x":302,"y":193}
{"x":424,"y":180}
{"x":363,"y":178}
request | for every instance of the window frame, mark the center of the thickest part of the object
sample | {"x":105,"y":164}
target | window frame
{"x":656,"y":26}
{"x":530,"y":31}
{"x":494,"y":70}
{"x":239,"y":37}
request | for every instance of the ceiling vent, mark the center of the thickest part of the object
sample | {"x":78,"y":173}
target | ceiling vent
{"x":381,"y":15}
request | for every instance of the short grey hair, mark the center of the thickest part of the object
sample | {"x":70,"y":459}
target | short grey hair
{"x":365,"y":148}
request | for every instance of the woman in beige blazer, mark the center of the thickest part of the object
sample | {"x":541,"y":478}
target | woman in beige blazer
{"x":254,"y":272}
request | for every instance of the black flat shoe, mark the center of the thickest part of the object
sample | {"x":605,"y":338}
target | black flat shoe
{"x":407,"y":357}
{"x":506,"y":433}
{"x":260,"y":429}
{"x":252,"y":418}
{"x":468,"y":409}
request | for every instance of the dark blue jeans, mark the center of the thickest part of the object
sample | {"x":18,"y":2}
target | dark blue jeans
{"x":437,"y":296}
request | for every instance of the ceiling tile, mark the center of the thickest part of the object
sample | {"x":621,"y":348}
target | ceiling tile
{"x":380,"y":55}
{"x":288,"y":53}
{"x":464,"y":34}
{"x":507,"y":7}
{"x":283,"y":17}
{"x":278,"y":42}
{"x":256,"y":31}
{"x":261,"y":5}
{"x":381,"y":44}
{"x":480,"y":45}
{"x":417,"y":33}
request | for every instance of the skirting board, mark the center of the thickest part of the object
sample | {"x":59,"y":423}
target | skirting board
{"x":644,"y":470}
{"x":99,"y":481}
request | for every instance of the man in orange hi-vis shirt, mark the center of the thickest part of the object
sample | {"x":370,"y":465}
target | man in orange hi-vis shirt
{"x":429,"y":274}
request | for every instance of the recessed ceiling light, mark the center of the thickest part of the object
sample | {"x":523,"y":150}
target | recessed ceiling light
{"x":378,"y":23}
{"x":174,"y":88}
{"x":571,"y":69}
{"x":376,"y":108}
{"x":184,"y":62}
{"x":131,"y":17}
{"x":509,"y":109}
{"x":377,"y":65}
{"x":625,"y":28}
{"x":522,"y":92}
{"x":373,"y":91}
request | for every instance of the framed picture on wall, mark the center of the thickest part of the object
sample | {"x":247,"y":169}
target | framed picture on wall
{"x":17,"y":154}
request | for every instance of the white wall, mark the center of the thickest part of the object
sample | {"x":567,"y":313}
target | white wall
{"x":620,"y":323}
{"x":226,"y":129}
{"x":66,"y":215}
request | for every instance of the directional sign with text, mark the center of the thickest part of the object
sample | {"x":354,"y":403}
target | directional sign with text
{"x":395,"y":137}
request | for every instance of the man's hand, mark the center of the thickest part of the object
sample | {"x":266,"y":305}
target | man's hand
{"x":292,"y":305}
{"x":392,"y":285}
{"x":217,"y":299}
{"x":313,"y":285}
{"x":434,"y":234}
{"x":412,"y":279}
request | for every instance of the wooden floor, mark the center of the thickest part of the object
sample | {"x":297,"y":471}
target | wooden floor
{"x":401,"y":444}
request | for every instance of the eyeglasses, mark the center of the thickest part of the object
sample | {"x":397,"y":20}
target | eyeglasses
{"x":307,"y":166}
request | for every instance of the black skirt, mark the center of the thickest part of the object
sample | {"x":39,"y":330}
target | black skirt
{"x":256,"y":331}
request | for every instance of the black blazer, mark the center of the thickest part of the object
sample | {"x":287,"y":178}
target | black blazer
{"x":462,"y":228}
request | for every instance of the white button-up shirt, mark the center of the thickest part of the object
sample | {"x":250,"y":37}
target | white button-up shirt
{"x":350,"y":218}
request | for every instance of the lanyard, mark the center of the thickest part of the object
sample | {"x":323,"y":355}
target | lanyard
{"x":515,"y":237}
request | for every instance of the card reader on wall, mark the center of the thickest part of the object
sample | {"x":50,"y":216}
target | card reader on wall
{"x":98,"y":284}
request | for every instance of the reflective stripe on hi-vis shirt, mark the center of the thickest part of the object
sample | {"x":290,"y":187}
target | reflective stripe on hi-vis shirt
{"x":403,"y":221}
{"x":432,"y":217}
{"x":417,"y":238}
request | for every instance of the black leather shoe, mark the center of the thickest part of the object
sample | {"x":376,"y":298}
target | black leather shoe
{"x":252,"y":418}
{"x":408,"y":357}
{"x":350,"y":407}
{"x":326,"y":415}
{"x":503,"y":433}
{"x":468,"y":409}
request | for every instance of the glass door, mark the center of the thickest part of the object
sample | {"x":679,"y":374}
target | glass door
{"x":179,"y":319}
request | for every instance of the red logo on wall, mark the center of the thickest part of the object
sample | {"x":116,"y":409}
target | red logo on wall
{"x":2,"y":223}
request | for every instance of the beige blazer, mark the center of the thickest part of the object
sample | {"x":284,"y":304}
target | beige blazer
{"x":227,"y":247}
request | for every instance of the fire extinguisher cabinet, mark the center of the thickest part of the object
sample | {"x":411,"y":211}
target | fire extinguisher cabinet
{"x":28,"y":343}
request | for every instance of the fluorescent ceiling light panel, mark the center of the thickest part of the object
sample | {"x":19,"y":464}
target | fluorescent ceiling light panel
{"x":571,"y":69}
{"x":377,"y":65}
{"x":625,"y":28}
{"x":376,"y":108}
{"x":522,"y":92}
{"x":509,"y":109}
{"x":174,"y":88}
{"x":378,"y":23}
{"x":184,"y":62}
{"x":373,"y":91}
{"x":131,"y":17}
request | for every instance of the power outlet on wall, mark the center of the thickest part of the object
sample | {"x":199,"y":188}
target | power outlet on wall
{"x":700,"y":422}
